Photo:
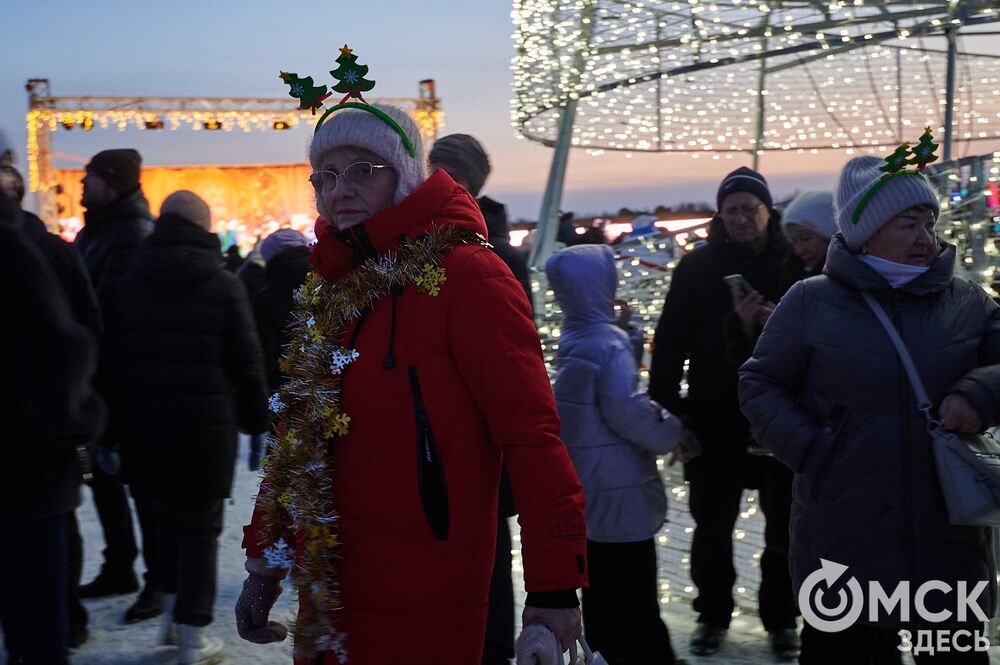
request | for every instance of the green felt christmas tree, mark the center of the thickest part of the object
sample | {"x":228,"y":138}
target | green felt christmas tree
{"x":923,"y":154}
{"x":351,"y":76}
{"x":302,"y":89}
{"x":897,"y":160}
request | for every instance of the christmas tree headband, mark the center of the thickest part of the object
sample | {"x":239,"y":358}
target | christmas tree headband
{"x":351,"y":81}
{"x":895,"y":166}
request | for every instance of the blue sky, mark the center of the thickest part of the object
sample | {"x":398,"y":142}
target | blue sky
{"x":213,"y":48}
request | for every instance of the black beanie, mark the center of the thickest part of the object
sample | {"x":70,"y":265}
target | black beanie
{"x":119,"y":168}
{"x":744,"y":180}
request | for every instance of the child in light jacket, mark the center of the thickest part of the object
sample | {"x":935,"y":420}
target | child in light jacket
{"x":614,"y":434}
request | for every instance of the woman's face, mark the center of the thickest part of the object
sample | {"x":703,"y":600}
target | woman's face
{"x":345,"y":204}
{"x":907,"y":238}
{"x":744,"y":217}
{"x":808,"y":245}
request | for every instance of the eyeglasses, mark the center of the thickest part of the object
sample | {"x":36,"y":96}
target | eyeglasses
{"x":358,"y":174}
{"x":740,"y":212}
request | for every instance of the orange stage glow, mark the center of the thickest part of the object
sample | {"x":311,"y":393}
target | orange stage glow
{"x":246,"y":200}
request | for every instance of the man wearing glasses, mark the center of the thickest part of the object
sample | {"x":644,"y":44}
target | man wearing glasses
{"x":745,"y":244}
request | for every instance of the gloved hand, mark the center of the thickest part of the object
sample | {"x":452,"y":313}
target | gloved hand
{"x":253,"y":607}
{"x":109,"y":459}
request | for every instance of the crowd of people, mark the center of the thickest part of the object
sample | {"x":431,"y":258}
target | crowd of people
{"x":391,"y":379}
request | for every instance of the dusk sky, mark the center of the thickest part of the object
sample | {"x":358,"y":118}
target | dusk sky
{"x":210,"y":48}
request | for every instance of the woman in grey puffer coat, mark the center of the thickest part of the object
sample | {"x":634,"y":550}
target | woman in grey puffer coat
{"x":826,"y":391}
{"x":613,"y":433}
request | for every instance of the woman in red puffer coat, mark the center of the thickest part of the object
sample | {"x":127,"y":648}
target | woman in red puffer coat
{"x":414,"y":371}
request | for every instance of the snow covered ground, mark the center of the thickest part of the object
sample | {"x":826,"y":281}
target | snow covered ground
{"x":113,"y":643}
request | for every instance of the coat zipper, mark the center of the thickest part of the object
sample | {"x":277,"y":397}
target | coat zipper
{"x":430,"y":470}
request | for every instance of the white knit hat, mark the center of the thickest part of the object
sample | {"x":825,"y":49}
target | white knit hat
{"x":896,"y":194}
{"x":812,"y":210}
{"x":190,"y":206}
{"x":362,"y":129}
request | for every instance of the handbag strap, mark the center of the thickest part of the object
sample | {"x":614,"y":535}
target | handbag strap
{"x":923,"y":402}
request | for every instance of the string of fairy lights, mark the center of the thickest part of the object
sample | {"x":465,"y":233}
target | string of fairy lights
{"x":687,"y":77}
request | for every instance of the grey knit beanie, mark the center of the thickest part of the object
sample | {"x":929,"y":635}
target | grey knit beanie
{"x":190,"y":206}
{"x":892,"y":197}
{"x":462,"y":155}
{"x":361,"y":129}
{"x":812,"y":210}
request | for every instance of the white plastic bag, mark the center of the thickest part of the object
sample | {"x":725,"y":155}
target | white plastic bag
{"x":537,"y":646}
{"x":588,"y":657}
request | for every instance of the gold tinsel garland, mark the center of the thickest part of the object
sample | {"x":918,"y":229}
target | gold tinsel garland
{"x":296,"y":475}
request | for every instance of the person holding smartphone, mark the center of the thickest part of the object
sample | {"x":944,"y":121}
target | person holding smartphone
{"x":745,"y":239}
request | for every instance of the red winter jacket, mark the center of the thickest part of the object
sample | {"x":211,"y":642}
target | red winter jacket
{"x":467,"y":364}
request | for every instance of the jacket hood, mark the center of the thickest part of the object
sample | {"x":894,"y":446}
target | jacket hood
{"x":178,"y":253}
{"x":842,"y":264}
{"x":438,"y":201}
{"x":584,"y":278}
{"x":132,"y":206}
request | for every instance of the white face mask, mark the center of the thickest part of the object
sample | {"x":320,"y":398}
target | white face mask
{"x":897,"y":274}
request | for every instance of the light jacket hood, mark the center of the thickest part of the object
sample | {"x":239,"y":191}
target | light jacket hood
{"x":584,"y":278}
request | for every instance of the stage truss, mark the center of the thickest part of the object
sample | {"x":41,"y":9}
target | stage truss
{"x":47,"y":114}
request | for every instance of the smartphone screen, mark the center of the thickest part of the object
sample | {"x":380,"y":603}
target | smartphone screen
{"x":740,"y":282}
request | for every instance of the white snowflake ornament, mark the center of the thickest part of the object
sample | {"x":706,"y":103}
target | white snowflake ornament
{"x":341,"y":358}
{"x":275,"y":404}
{"x":279,"y":555}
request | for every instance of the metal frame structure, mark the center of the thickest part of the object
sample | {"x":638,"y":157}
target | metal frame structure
{"x":580,"y":57}
{"x":47,"y":113}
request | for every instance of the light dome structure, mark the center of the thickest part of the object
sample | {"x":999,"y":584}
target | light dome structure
{"x":747,"y":76}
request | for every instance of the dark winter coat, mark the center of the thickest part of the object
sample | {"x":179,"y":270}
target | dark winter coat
{"x":49,"y":412}
{"x":110,"y":240}
{"x":253,"y":275}
{"x":495,"y":215}
{"x":467,"y":375}
{"x":273,"y":304}
{"x":691,"y":327}
{"x":186,"y":365}
{"x":69,"y":269}
{"x":827,"y":393}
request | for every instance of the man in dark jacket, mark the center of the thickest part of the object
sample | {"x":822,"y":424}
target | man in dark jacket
{"x":72,"y":275}
{"x":286,"y":258}
{"x":744,"y":238}
{"x":187,"y":375}
{"x":51,"y":415}
{"x":116,"y":221}
{"x":465,"y":160}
